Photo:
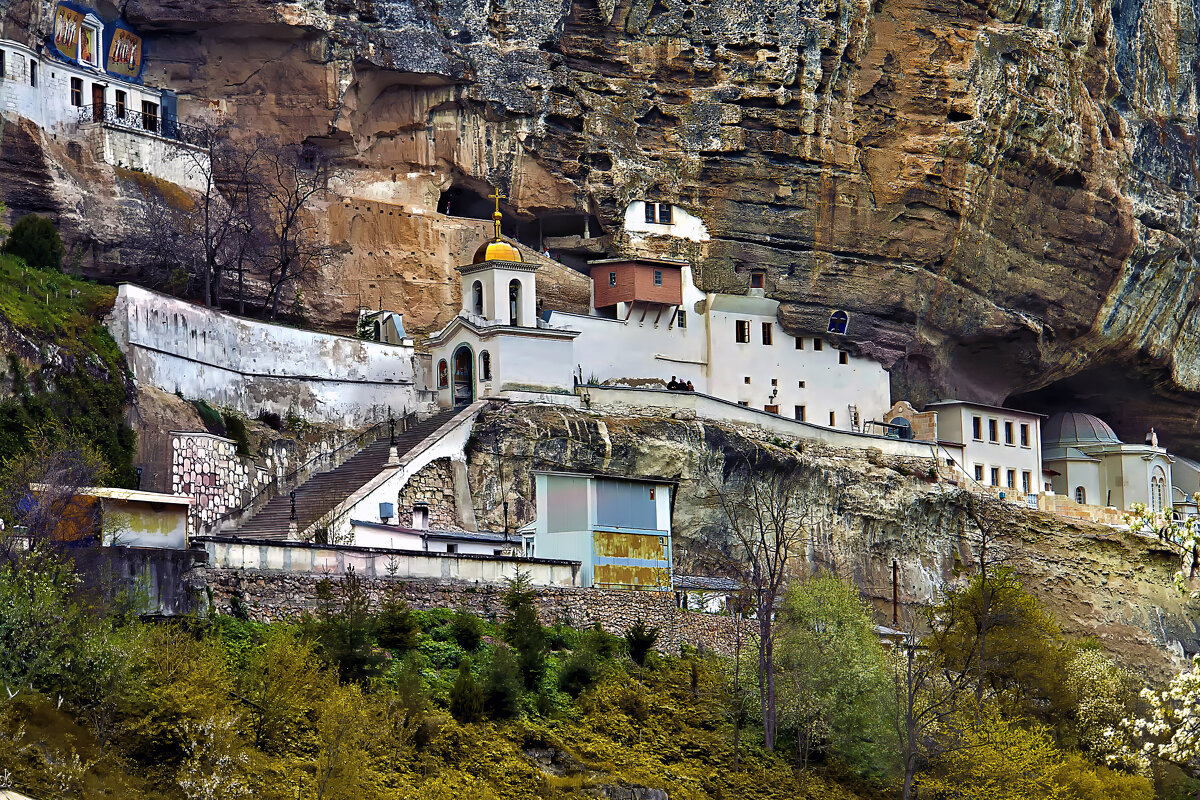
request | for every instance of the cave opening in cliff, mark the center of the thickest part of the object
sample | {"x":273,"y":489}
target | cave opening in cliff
{"x":1132,"y":399}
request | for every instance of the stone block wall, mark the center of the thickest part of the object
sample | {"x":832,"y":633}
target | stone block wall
{"x":272,"y":595}
{"x":208,"y":468}
{"x":434,"y":486}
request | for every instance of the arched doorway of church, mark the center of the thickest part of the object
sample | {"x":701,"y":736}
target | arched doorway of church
{"x":464,"y":376}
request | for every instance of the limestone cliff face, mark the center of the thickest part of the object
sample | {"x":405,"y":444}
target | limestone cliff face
{"x":999,"y":193}
{"x":871,"y":509}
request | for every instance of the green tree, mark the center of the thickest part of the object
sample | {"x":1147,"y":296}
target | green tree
{"x":280,"y":681}
{"x":522,"y":629}
{"x":35,"y":240}
{"x":502,"y":685}
{"x":467,"y":630}
{"x":39,"y":621}
{"x":1022,"y":666}
{"x":833,"y":674}
{"x":466,"y":698}
{"x":345,"y":629}
{"x":641,"y":640}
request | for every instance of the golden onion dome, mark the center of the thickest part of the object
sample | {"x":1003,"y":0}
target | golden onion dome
{"x":496,"y":250}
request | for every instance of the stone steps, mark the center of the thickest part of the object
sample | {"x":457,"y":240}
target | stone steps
{"x":321,"y":493}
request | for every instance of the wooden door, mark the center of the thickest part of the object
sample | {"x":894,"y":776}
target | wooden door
{"x":97,"y":102}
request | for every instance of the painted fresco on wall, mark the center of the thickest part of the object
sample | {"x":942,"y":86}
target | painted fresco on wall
{"x":67,"y":24}
{"x":125,"y":53}
{"x":87,"y":45}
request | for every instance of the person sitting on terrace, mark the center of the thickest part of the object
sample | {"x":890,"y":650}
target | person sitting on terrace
{"x":672,"y":385}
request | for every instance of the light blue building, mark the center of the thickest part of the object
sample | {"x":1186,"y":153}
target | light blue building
{"x":618,"y":528}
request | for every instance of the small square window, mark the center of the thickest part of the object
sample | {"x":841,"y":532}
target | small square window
{"x":843,"y":357}
{"x":682,"y":318}
{"x":612,"y":279}
{"x":658,"y":277}
{"x":747,"y":379}
{"x":451,"y":548}
{"x":766,"y":332}
{"x":801,"y":384}
{"x":774,"y":381}
{"x":818,"y":344}
{"x":799,"y":342}
{"x":800,"y":413}
{"x":758,"y":279}
{"x":744,"y":403}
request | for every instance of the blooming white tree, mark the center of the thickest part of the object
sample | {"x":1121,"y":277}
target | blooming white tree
{"x":1170,"y":730}
{"x":1182,"y":534}
{"x":215,"y":765}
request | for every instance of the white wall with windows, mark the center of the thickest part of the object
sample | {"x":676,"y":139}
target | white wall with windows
{"x":663,"y":219}
{"x":1001,"y":446}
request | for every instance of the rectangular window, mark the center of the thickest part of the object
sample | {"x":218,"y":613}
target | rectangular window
{"x":650,"y":213}
{"x":150,"y":116}
{"x":682,"y":318}
{"x":1008,"y":432}
{"x":744,"y":403}
{"x":995,"y":476}
{"x":742,"y":333}
{"x":832,"y":419}
{"x":1024,"y":435}
{"x":766,"y":333}
{"x":451,"y":548}
{"x":1012,"y":479}
{"x":658,"y":277}
{"x":758,"y":279}
{"x":799,"y":342}
{"x":843,"y":357}
{"x":664,"y":213}
{"x":992,"y":431}
{"x":977,"y":428}
{"x":818,"y":344}
{"x":612,"y":279}
{"x":77,"y":92}
{"x":774,"y":381}
{"x":33,"y":73}
{"x":747,"y":379}
{"x":1026,"y":482}
{"x":979,"y":472}
{"x":801,"y":384}
{"x":800,"y":413}
{"x":3,"y":66}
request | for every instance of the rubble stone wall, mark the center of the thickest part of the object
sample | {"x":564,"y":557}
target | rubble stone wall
{"x":273,"y":595}
{"x":434,"y":486}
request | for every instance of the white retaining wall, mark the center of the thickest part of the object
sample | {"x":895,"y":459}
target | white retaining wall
{"x":303,"y":558}
{"x":255,"y":366}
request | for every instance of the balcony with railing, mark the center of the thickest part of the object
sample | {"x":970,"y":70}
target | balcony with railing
{"x":121,"y":117}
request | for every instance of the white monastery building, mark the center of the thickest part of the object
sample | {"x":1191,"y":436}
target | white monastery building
{"x":996,"y":447}
{"x":85,"y":81}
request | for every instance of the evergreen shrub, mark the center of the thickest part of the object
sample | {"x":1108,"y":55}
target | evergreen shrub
{"x":35,"y":240}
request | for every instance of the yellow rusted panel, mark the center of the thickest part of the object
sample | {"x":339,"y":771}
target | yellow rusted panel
{"x":630,"y":545}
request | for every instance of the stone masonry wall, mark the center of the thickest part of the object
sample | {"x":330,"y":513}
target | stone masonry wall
{"x":434,"y":486}
{"x":207,"y":468}
{"x":266,"y":595}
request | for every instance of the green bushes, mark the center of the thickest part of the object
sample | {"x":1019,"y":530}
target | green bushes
{"x":35,"y":240}
{"x":641,"y":640}
{"x":467,"y":631}
{"x":235,"y":428}
{"x":466,"y":698}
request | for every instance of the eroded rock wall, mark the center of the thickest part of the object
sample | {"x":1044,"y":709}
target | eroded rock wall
{"x":999,"y":194}
{"x":869,"y":509}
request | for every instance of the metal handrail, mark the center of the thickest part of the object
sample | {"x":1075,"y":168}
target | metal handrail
{"x":124,"y":117}
{"x":331,"y":460}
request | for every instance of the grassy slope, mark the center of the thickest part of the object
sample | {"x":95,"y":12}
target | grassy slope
{"x":63,"y":368}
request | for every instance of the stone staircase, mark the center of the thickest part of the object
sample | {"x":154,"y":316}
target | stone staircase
{"x":323,"y":492}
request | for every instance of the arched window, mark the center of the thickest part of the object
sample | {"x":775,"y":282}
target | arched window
{"x":514,"y":302}
{"x":443,"y":374}
{"x":838,"y":321}
{"x":477,"y":297}
{"x":1158,"y":490}
{"x":1080,"y":495}
{"x":485,"y":366}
